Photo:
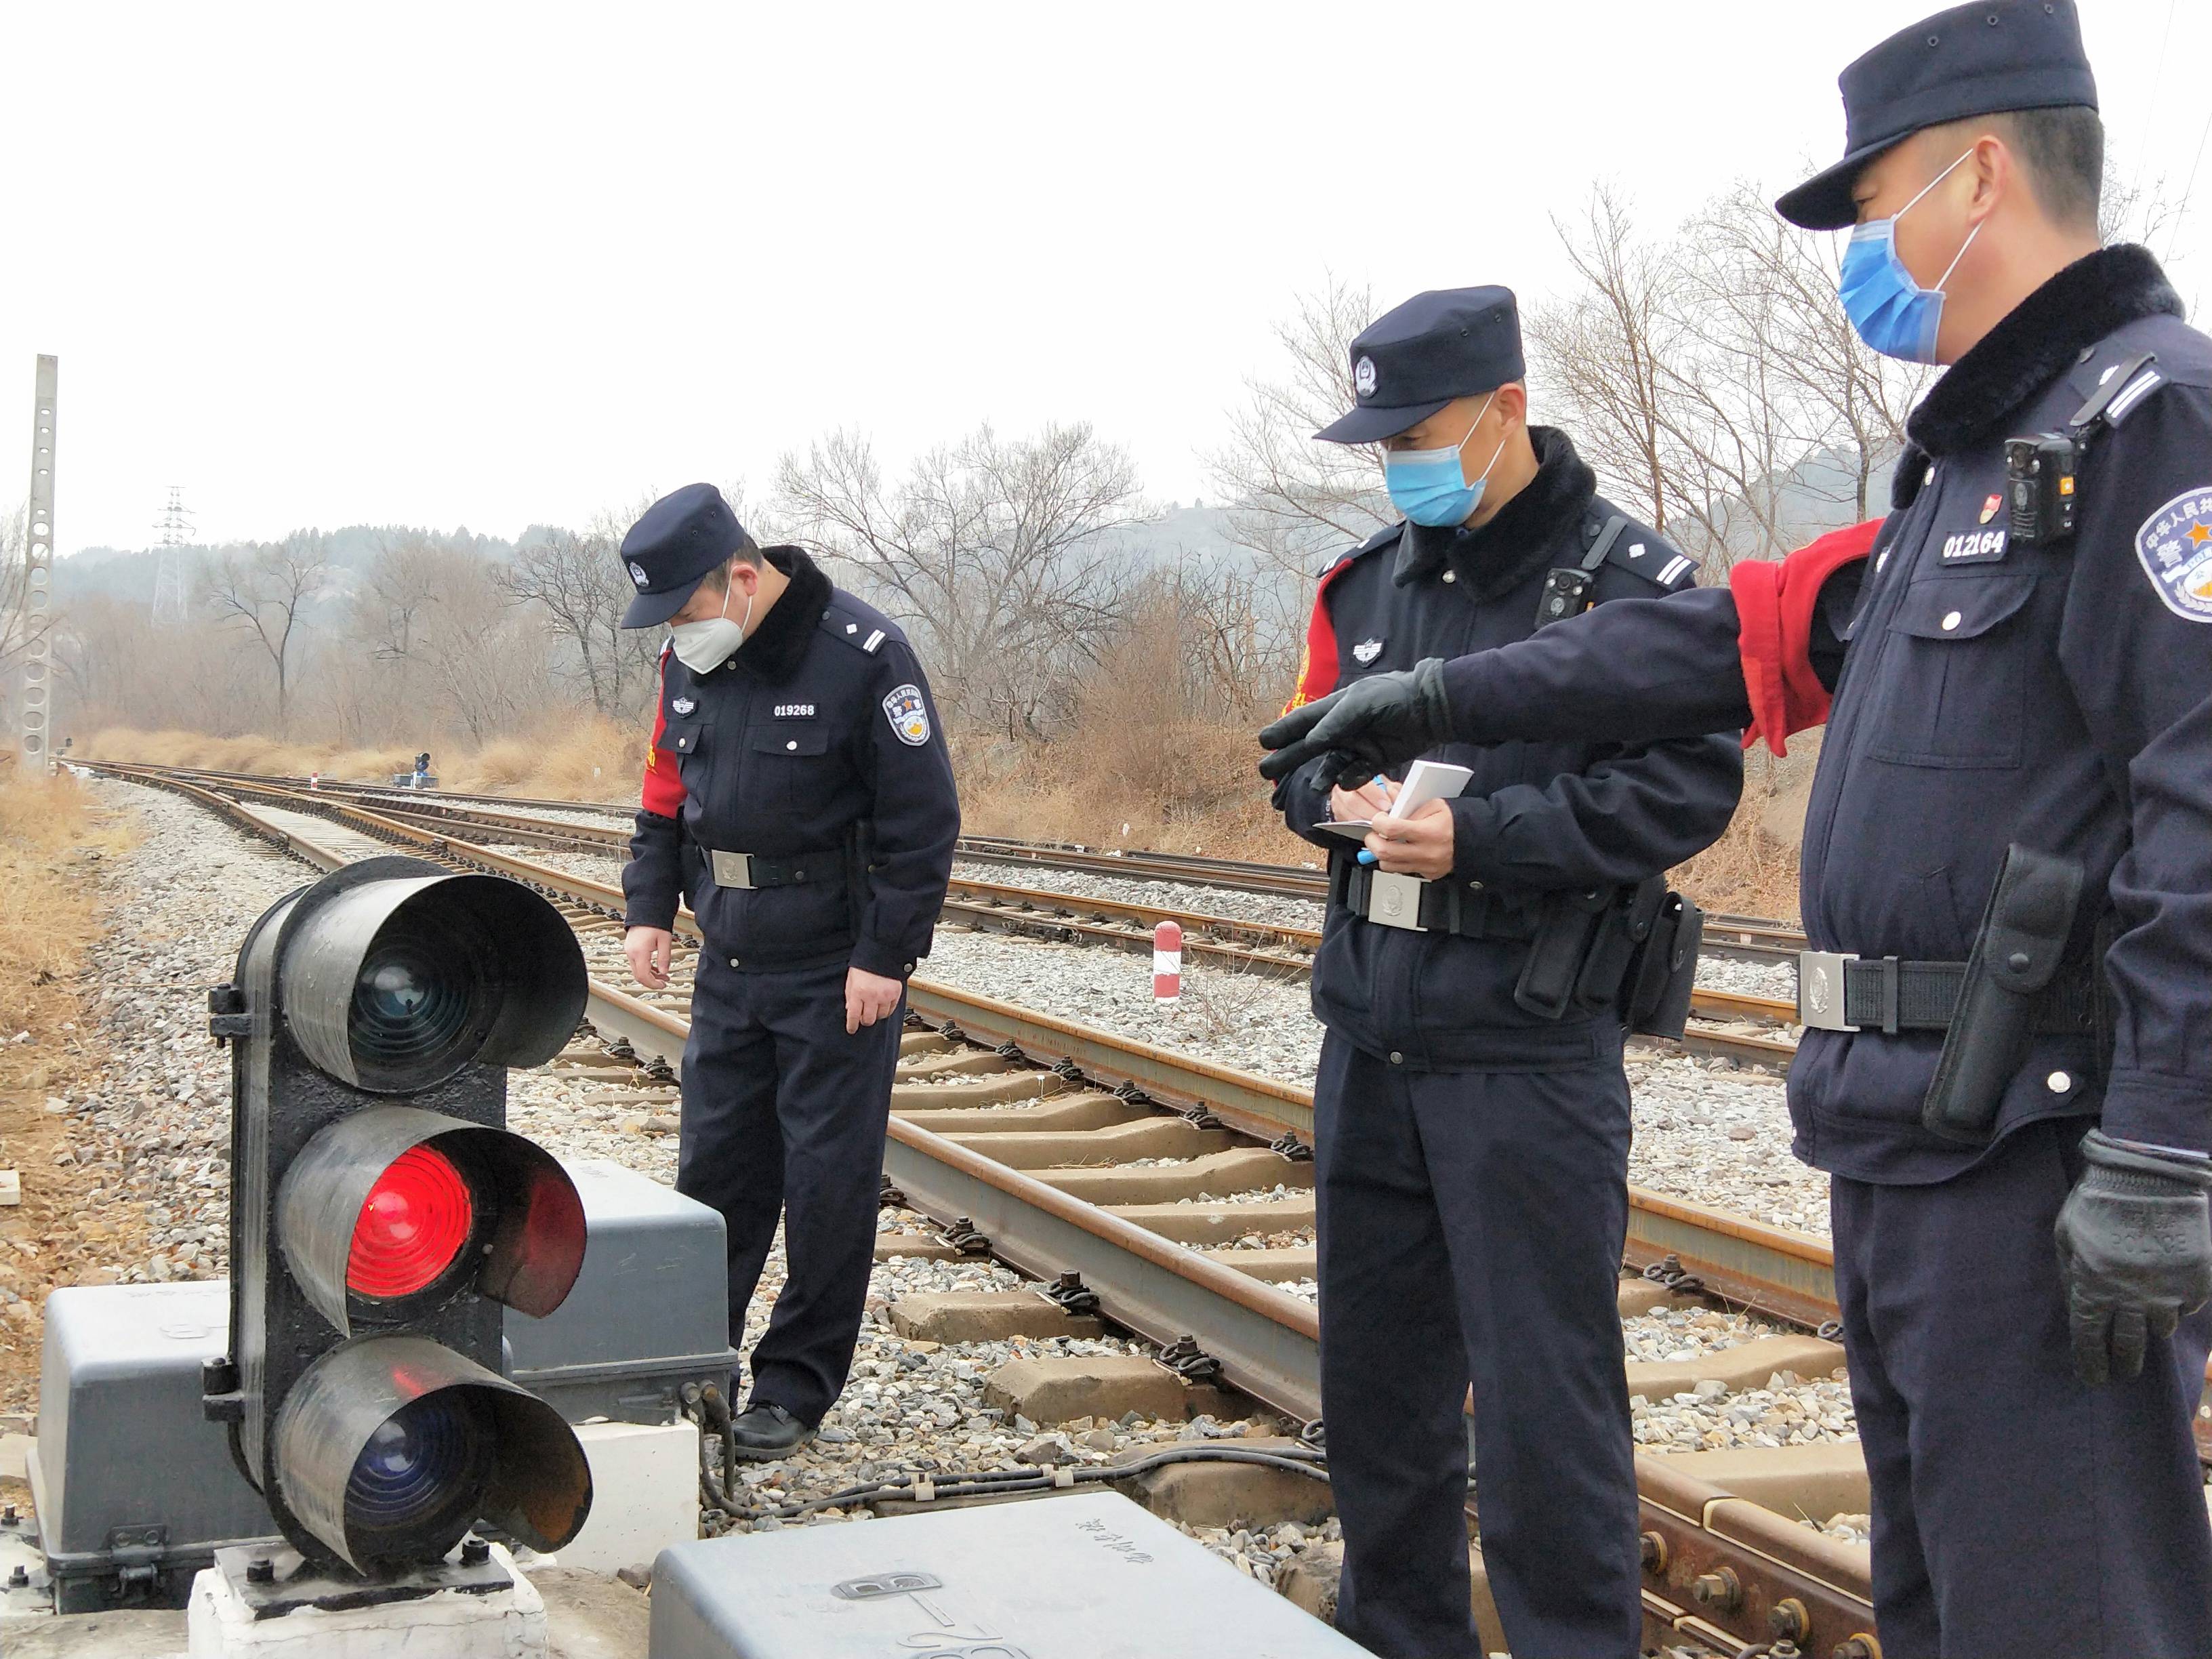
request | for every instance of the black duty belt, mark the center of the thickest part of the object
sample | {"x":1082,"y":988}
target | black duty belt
{"x":1469,"y":909}
{"x":752,"y":870}
{"x":1838,"y":992}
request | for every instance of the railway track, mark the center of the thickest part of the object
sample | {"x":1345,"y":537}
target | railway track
{"x":1234,"y":942}
{"x":1030,"y":1122}
{"x":1750,"y":939}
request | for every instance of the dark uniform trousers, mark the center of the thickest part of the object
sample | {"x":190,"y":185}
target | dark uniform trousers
{"x":1505,"y":1191}
{"x":2016,"y":1510}
{"x":784,"y":1112}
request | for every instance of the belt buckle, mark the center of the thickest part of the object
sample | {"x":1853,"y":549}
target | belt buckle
{"x":1820,"y":989}
{"x":1395,"y":900}
{"x":732,"y":869}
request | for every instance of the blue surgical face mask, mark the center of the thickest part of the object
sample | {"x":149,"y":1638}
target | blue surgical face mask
{"x":1428,"y":485}
{"x":1893,"y":313}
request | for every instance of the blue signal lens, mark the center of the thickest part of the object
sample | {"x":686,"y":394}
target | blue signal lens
{"x":424,"y":1469}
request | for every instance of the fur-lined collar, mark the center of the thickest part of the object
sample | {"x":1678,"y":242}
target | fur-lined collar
{"x":2036,"y":341}
{"x":773,"y":651}
{"x":1498,"y":555}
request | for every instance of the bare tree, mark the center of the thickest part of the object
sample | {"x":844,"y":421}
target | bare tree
{"x":573,"y":584}
{"x":263,"y":594}
{"x":1600,"y":353}
{"x":1714,"y":381}
{"x":1293,"y":500}
{"x":996,"y":554}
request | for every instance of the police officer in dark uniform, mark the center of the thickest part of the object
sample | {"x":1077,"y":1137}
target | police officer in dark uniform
{"x":797,"y":793}
{"x":2008,"y":858}
{"x":1470,"y":1114}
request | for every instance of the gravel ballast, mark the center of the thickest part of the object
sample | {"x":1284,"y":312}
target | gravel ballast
{"x":158,"y":1130}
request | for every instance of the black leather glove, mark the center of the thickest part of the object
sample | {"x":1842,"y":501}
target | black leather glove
{"x":1367,"y":728}
{"x":2135,"y":1253}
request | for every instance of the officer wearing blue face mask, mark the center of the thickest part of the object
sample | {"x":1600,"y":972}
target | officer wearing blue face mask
{"x":2008,"y":1064}
{"x":1475,"y":976}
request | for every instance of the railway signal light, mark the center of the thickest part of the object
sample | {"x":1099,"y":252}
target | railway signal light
{"x":381,"y":1213}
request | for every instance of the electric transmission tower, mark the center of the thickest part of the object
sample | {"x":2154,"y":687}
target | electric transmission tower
{"x":176,"y":527}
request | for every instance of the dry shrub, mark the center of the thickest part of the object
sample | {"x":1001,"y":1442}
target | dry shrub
{"x":46,"y":918}
{"x":1748,"y":871}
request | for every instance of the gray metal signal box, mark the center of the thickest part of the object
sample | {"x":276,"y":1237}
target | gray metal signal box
{"x":1087,"y":1575}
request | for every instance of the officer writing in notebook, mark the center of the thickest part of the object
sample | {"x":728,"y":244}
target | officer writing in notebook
{"x":2008,"y":1064}
{"x":798,"y":793}
{"x":1471,"y":1115}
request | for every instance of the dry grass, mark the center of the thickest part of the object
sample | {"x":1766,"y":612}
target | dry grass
{"x":580,"y":758}
{"x":50,"y":923}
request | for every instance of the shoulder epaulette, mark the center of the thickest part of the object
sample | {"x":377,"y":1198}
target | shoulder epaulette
{"x":2118,"y":380}
{"x":1383,"y":537}
{"x":1616,"y":539}
{"x":862,"y":628}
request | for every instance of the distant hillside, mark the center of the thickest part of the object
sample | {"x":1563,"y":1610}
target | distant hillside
{"x":127,"y":573}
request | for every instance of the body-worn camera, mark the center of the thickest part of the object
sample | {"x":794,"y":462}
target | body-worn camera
{"x":2039,"y":486}
{"x":1566,"y":593}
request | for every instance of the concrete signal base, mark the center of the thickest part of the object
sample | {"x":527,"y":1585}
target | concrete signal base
{"x":504,"y":1623}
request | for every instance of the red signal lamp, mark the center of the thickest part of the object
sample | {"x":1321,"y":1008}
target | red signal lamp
{"x":413,"y":1225}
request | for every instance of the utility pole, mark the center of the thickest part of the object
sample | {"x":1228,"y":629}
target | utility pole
{"x":176,"y":527}
{"x":33,"y":745}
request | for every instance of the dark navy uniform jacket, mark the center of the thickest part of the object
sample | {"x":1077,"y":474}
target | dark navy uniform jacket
{"x":1990,"y":693}
{"x":822,"y":723}
{"x":1536,"y":817}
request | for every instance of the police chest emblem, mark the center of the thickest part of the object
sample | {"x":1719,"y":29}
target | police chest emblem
{"x":683,"y":705}
{"x":908,"y":715}
{"x":2175,"y":547}
{"x":1366,"y":651}
{"x":637,"y":573}
{"x":1363,"y":377}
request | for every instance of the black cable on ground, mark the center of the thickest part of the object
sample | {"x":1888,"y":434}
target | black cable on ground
{"x":706,"y":1407}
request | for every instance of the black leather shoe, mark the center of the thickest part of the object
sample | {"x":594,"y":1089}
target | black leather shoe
{"x":765,"y":1431}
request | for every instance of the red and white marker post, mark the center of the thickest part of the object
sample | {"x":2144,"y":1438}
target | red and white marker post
{"x":1167,"y":963}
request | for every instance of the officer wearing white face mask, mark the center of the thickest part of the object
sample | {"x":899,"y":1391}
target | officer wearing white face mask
{"x":797,"y":793}
{"x":1475,"y":976}
{"x":2007,"y":854}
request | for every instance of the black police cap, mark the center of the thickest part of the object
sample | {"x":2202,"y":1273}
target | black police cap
{"x":1412,"y":361}
{"x":1980,"y":59}
{"x":682,"y":537}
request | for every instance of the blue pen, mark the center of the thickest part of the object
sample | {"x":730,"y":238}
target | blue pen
{"x":1385,"y":785}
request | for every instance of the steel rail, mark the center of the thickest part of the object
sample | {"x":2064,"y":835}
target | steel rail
{"x":1268,"y":1342}
{"x":1286,"y":950}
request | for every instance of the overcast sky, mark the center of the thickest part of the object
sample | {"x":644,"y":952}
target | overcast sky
{"x":489,"y":265}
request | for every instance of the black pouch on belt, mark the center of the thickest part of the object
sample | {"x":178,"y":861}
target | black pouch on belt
{"x":1622,"y":931}
{"x":1566,"y":928}
{"x":2016,"y":953}
{"x":1665,"y":971}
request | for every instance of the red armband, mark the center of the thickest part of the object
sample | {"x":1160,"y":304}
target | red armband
{"x":1774,"y":604}
{"x":664,"y":786}
{"x":1317,"y":662}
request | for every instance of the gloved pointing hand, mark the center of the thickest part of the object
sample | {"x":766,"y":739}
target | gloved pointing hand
{"x":1367,"y":728}
{"x":2135,"y":1252}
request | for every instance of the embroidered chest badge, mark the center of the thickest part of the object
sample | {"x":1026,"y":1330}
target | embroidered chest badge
{"x":2175,"y":548}
{"x":908,"y":715}
{"x":683,"y":705}
{"x":1366,"y":651}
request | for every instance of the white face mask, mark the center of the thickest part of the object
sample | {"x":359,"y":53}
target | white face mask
{"x":703,"y":647}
